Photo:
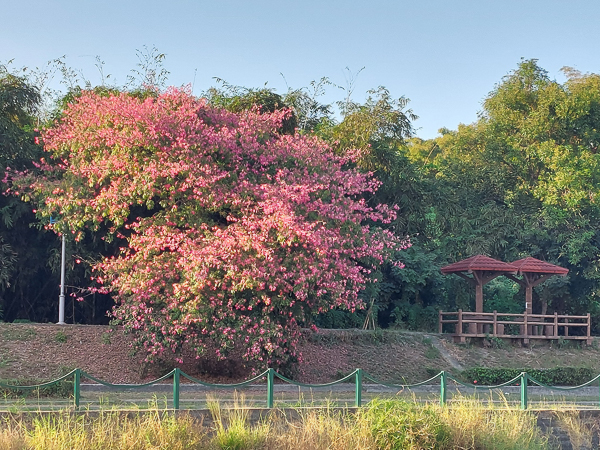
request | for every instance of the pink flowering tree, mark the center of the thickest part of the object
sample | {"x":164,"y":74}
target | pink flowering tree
{"x":234,"y":234}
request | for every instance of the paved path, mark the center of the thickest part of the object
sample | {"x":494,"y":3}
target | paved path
{"x":537,"y":391}
{"x":435,"y":341}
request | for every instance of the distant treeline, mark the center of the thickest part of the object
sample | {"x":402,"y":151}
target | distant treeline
{"x":523,"y":180}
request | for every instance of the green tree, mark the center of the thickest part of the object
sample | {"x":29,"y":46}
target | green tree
{"x":24,"y":273}
{"x":523,"y":180}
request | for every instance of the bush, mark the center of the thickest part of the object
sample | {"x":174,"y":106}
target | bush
{"x":339,"y":318}
{"x":61,"y":389}
{"x":558,"y":376}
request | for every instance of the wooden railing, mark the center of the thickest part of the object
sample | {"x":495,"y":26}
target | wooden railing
{"x":516,"y":326}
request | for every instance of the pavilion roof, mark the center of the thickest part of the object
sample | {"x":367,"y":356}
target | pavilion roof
{"x":479,"y":262}
{"x":533,"y":265}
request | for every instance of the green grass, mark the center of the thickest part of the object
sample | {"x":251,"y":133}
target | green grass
{"x":60,"y":337}
{"x":17,"y":333}
{"x":432,"y":353}
{"x":106,"y":338}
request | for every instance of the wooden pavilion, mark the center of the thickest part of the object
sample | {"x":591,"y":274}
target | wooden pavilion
{"x":533,"y":272}
{"x":480,"y":270}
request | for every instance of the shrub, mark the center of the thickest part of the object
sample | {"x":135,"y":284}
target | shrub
{"x":558,"y":376}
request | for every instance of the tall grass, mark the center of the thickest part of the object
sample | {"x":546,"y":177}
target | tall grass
{"x":108,"y":430}
{"x":383,"y":424}
{"x":234,"y":432}
{"x":319,"y":429}
{"x":474,"y":425}
{"x":400,"y":425}
{"x":580,"y":433}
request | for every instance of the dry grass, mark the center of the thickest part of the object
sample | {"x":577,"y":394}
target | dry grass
{"x":475,"y":425}
{"x":388,"y":424}
{"x":110,"y":430}
{"x":383,"y":424}
{"x":320,"y":429}
{"x":580,"y":433}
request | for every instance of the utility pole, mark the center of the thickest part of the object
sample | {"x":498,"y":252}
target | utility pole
{"x":61,"y":297}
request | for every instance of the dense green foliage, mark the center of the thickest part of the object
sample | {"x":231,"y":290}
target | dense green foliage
{"x":523,"y":180}
{"x":30,"y":252}
{"x":557,"y":376}
{"x":25,"y":275}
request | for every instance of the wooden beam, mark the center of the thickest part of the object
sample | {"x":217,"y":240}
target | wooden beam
{"x":510,"y":276}
{"x":464,"y":277}
{"x":491,"y":276}
{"x":541,"y":279}
{"x":529,"y":299}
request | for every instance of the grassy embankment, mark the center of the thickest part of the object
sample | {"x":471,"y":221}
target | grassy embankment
{"x":44,"y":352}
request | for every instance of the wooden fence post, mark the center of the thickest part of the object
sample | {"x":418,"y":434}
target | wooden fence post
{"x":495,"y":323}
{"x":459,"y":327}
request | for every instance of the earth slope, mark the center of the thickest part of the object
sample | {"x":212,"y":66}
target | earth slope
{"x":44,"y":351}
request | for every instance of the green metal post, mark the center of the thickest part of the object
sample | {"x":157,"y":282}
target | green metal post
{"x":176,"y":388}
{"x":443,"y":388}
{"x":77,"y":387}
{"x":270,"y":381}
{"x":524,"y":390}
{"x":358,"y":388}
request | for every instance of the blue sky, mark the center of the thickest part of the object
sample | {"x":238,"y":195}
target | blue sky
{"x":443,"y":55}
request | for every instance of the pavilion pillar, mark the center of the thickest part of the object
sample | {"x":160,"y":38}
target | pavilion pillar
{"x":479,"y":297}
{"x":477,"y":327}
{"x":529,"y":298}
{"x":479,"y":304}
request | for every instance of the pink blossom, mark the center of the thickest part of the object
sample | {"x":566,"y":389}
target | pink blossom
{"x":245,"y":226}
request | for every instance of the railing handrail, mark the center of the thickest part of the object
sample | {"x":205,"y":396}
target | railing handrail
{"x":358,"y":375}
{"x":478,"y":323}
{"x":537,"y":316}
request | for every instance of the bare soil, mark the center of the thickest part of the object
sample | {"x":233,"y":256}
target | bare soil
{"x":44,"y":351}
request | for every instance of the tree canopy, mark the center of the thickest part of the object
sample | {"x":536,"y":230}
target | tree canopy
{"x":232,"y":228}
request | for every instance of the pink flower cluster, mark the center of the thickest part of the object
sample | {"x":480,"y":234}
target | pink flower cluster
{"x":246,"y":234}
